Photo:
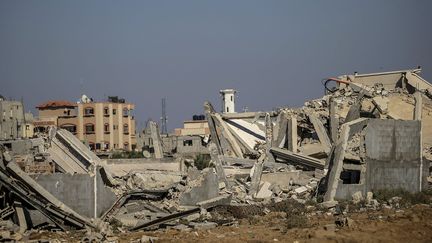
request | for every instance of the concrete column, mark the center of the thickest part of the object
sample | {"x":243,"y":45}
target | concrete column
{"x":418,"y":106}
{"x":321,"y":132}
{"x":269,"y":137}
{"x":334,"y":121}
{"x":337,"y":164}
{"x":292,"y":134}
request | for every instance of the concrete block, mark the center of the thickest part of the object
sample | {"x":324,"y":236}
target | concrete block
{"x":300,"y":190}
{"x":205,"y":188}
{"x":369,"y":197}
{"x":220,"y":200}
{"x":357,"y":197}
{"x":381,"y":103}
{"x":203,"y":225}
{"x":329,"y":204}
{"x":281,"y":178}
{"x":264,"y":191}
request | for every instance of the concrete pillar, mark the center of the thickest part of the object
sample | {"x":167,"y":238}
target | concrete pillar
{"x":292,"y":134}
{"x":321,"y":132}
{"x":22,"y":221}
{"x":334,"y":121}
{"x":337,"y":164}
{"x":269,"y":137}
{"x":418,"y":106}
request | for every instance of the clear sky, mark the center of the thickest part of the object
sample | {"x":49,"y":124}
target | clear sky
{"x":274,"y":53}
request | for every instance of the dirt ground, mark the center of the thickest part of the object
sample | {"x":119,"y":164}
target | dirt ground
{"x":386,"y":225}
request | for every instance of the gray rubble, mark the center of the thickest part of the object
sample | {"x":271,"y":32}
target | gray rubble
{"x":371,"y":132}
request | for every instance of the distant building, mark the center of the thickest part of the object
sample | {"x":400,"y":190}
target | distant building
{"x":14,"y":123}
{"x":228,"y":100}
{"x":104,"y":126}
{"x":191,"y":139}
{"x":51,"y":111}
{"x":197,"y":126}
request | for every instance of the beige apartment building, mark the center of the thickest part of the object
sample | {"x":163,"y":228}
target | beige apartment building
{"x":197,"y":126}
{"x":104,"y":126}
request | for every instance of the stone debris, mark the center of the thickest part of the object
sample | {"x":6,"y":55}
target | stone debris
{"x":333,"y":148}
{"x":264,"y":191}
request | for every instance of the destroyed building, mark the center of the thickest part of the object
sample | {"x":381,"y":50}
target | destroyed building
{"x":189,"y":141}
{"x":368,"y":132}
{"x":14,"y":121}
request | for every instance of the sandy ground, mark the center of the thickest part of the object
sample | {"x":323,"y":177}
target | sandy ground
{"x":387,"y":225}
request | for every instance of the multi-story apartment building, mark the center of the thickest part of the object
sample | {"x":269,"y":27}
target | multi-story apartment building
{"x":104,"y":126}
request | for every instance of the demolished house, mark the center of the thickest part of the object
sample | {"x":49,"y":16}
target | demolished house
{"x":369,"y":132}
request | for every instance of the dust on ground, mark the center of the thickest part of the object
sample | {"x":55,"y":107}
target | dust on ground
{"x":274,"y":223}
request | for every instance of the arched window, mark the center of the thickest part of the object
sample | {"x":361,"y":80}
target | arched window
{"x":125,"y":112}
{"x":106,"y":128}
{"x":89,"y":128}
{"x":106,"y":111}
{"x":126,"y":129}
{"x":106,"y":146}
{"x":89,"y":111}
{"x":126,"y":146}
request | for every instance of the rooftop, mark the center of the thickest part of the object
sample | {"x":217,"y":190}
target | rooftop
{"x":56,"y":104}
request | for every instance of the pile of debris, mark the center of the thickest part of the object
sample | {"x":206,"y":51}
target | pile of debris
{"x":369,"y":132}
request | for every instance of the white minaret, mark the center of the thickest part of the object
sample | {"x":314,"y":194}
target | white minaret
{"x":228,"y":100}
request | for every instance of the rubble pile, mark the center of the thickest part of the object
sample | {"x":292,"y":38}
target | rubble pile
{"x":334,"y":148}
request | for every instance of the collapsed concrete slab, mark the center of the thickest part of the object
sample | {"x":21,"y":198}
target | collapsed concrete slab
{"x":70,"y":154}
{"x":298,"y":158}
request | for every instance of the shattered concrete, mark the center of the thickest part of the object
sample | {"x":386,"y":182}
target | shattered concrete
{"x":371,"y":132}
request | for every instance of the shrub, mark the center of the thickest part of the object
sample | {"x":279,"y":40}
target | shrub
{"x":202,"y":161}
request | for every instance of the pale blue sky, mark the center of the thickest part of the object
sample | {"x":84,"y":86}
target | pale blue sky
{"x":273,"y":52}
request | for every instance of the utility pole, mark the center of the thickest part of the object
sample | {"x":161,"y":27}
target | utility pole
{"x":164,"y":118}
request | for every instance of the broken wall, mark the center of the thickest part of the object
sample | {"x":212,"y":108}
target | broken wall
{"x":83,"y":193}
{"x":394,"y":155}
{"x":392,"y":159}
{"x":191,"y":145}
